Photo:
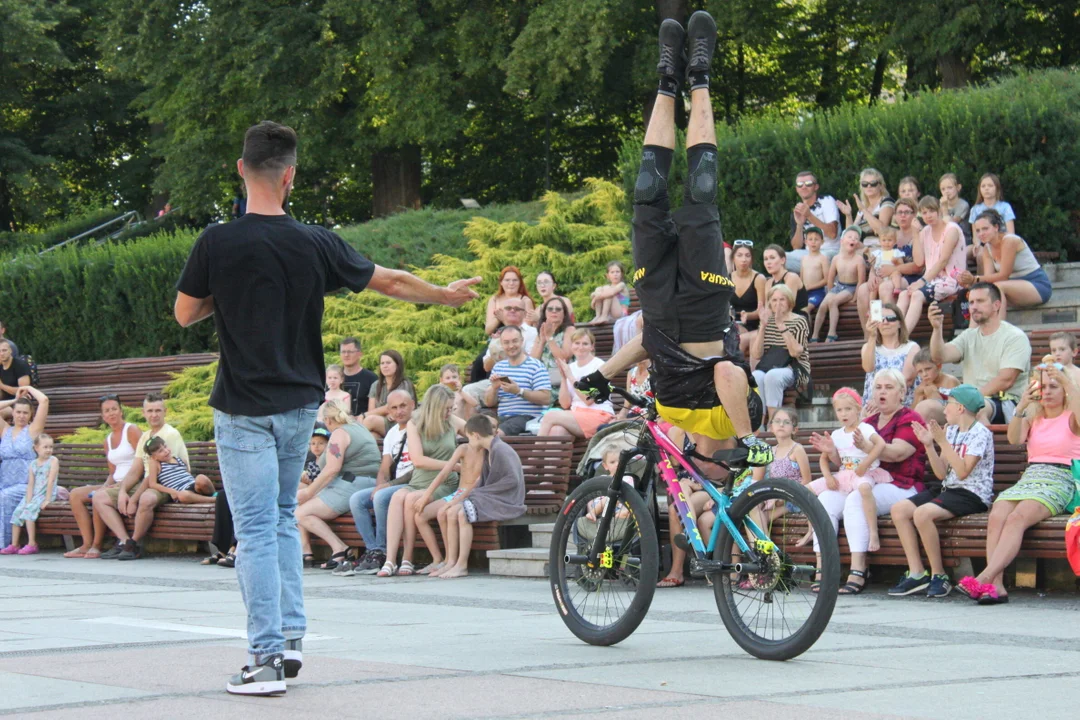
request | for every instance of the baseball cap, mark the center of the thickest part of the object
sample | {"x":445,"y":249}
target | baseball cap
{"x":320,"y":430}
{"x":814,"y":230}
{"x":967,"y":395}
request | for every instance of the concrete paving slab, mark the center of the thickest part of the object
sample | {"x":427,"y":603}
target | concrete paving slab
{"x":22,"y":691}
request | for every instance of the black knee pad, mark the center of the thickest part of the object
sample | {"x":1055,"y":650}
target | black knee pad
{"x":651,"y":185}
{"x":701,"y":180}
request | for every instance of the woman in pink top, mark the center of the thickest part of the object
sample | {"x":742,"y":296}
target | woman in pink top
{"x":941,"y":250}
{"x":1052,"y":432}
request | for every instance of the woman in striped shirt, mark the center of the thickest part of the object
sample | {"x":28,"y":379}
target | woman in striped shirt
{"x":779,"y":351}
{"x":169,"y":475}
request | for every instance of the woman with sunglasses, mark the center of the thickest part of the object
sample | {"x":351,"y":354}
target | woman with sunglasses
{"x":887,"y":347}
{"x":875,"y":206}
{"x":749,"y":295}
{"x":546,"y":288}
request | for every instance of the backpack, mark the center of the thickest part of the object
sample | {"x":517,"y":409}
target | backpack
{"x":35,"y":376}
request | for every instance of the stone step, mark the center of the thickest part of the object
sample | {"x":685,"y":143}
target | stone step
{"x":1063,"y":272}
{"x":541,"y":534}
{"x":521,"y":562}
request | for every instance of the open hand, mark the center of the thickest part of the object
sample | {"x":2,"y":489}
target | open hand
{"x":823,"y":443}
{"x":922,"y":433}
{"x":860,"y":440}
{"x":460,"y":292}
{"x":937,"y":432}
{"x":844,"y":207}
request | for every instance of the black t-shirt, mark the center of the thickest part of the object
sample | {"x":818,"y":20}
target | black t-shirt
{"x":358,"y":386}
{"x":268,"y":275}
{"x":11,"y":375}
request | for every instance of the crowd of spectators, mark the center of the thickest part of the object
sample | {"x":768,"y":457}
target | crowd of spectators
{"x":398,"y":465}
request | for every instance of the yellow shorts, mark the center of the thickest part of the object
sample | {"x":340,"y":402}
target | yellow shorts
{"x":711,"y":422}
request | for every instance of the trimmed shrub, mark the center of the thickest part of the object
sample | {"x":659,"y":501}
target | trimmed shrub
{"x":1025,"y":129}
{"x":15,"y":242}
{"x":575,"y":239}
{"x":100,"y":302}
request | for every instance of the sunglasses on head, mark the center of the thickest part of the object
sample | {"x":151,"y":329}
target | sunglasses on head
{"x":744,"y":243}
{"x":805,"y":183}
{"x":110,"y":396}
{"x":870,"y":183}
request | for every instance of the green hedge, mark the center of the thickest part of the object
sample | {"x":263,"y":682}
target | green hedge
{"x":1025,"y":129}
{"x":15,"y":242}
{"x":100,"y":302}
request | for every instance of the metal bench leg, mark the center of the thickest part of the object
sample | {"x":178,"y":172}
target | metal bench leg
{"x":69,"y":543}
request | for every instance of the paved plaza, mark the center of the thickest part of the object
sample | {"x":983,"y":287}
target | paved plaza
{"x":159,"y":637}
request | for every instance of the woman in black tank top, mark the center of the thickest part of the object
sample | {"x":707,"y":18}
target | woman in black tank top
{"x":774,"y":258}
{"x":745,"y":306}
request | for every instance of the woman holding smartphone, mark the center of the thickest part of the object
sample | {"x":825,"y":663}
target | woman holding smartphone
{"x":887,"y":346}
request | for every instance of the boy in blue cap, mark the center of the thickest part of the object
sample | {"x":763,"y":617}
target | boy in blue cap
{"x":965,"y":465}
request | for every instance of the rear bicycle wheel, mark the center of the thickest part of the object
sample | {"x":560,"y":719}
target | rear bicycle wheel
{"x":605,"y":603}
{"x":769,"y":607}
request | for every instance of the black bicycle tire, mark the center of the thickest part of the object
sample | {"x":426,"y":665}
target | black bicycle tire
{"x":803,"y":640}
{"x":650,"y":562}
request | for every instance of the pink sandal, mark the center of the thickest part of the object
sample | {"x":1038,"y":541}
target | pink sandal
{"x":971,"y":587}
{"x":29,"y":550}
{"x":9,"y":550}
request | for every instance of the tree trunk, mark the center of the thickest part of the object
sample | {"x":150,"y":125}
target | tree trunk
{"x":879,"y":76}
{"x":740,"y":78}
{"x":955,"y":72}
{"x":395,"y":180}
{"x":7,"y":212}
{"x":826,"y":94}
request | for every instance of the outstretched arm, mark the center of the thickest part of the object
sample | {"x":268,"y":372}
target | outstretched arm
{"x":402,"y":285}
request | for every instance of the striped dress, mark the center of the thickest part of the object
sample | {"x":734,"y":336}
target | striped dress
{"x":801,"y":331}
{"x":176,"y":476}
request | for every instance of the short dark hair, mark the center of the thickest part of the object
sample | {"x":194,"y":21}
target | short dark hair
{"x":995,"y":294}
{"x":269,"y":147}
{"x":154,"y":397}
{"x":154,"y":444}
{"x":515,"y":328}
{"x":993,"y":217}
{"x":350,"y":341}
{"x":805,"y":173}
{"x":480,"y":425}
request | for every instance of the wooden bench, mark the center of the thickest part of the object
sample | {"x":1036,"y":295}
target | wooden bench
{"x":849,"y":327}
{"x":545,"y":461}
{"x":75,"y":389}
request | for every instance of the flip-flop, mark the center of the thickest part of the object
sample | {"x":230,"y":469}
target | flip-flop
{"x":76,"y":553}
{"x":428,"y":569}
{"x":670,"y":582}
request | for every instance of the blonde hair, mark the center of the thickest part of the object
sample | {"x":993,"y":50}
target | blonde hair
{"x":432,"y":418}
{"x":41,"y":437}
{"x":873,"y":174}
{"x":786,"y":292}
{"x":583,"y":333}
{"x":335,"y":369}
{"x":333,"y":411}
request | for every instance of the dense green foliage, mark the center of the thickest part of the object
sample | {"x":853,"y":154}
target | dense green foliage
{"x":99,"y":302}
{"x":104,"y":101}
{"x":574,"y":238}
{"x":115,"y":300}
{"x":411,"y":239}
{"x":1026,"y":130}
{"x":14,"y":242}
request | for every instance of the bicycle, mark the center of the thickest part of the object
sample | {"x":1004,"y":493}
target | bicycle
{"x":603,"y":585}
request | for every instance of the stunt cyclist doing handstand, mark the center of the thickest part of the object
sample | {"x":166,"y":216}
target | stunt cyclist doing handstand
{"x":701,"y":382}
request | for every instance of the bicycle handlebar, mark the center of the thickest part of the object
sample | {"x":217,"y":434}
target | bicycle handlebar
{"x":634,"y":400}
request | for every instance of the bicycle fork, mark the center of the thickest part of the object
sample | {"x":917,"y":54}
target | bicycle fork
{"x":598,"y":554}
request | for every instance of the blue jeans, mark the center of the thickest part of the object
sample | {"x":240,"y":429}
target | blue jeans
{"x":365,"y":500}
{"x":261,"y":460}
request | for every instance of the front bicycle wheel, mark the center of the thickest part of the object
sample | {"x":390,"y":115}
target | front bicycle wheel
{"x":604,"y":603}
{"x":767,"y":601}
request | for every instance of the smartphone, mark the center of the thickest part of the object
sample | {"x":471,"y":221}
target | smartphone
{"x":875,"y":311}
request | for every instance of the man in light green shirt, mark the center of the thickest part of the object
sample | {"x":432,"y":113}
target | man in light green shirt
{"x":995,"y":356}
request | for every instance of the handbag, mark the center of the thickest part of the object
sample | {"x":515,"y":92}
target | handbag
{"x":774,"y":357}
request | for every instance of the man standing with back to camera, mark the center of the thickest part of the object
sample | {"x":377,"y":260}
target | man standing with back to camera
{"x":263,"y":278}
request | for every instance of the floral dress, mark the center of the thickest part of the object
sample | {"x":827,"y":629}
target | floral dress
{"x":16,"y":454}
{"x":29,"y":510}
